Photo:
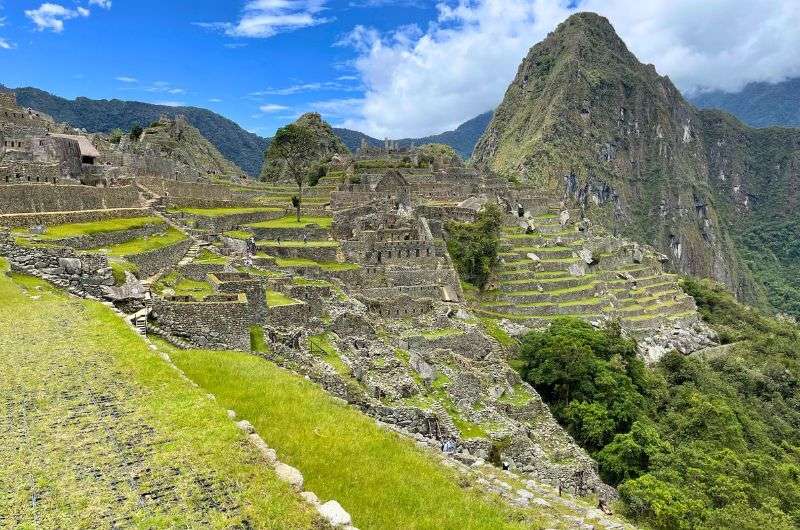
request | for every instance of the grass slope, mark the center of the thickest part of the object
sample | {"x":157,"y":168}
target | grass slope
{"x":97,"y":431}
{"x":381,"y":479}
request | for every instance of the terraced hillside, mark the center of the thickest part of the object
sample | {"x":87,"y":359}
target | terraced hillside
{"x":544,"y":274}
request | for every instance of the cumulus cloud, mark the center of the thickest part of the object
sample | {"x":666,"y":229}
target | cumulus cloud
{"x":52,"y":16}
{"x":266,"y":18}
{"x":421,"y":81}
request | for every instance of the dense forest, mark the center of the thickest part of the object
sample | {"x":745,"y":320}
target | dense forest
{"x":710,"y":440}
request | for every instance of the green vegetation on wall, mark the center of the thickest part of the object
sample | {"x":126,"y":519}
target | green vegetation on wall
{"x":474,"y":247}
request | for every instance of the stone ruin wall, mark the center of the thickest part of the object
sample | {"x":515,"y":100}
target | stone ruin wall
{"x":34,"y":198}
{"x":106,"y":239}
{"x":223,"y":324}
{"x":84,"y":275}
{"x":154,"y":261}
{"x":234,"y":283}
{"x":60,"y":218}
{"x":20,"y":172}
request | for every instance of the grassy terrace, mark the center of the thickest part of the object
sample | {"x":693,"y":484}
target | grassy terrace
{"x":220,"y":212}
{"x":97,"y":431}
{"x":385,"y":482}
{"x":93,"y":227}
{"x":298,"y":244}
{"x":183,"y":286}
{"x":290,"y":221}
{"x":277,"y":299}
{"x":145,"y":244}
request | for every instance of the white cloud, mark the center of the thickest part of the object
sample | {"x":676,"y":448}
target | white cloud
{"x":266,"y":18}
{"x":126,"y":79}
{"x":6,"y":45}
{"x":52,"y":16}
{"x":337,"y":108}
{"x":425,"y":81}
{"x":333,"y":86}
{"x":215,"y":100}
{"x":105,"y":4}
{"x":171,"y":103}
{"x":272,"y":107}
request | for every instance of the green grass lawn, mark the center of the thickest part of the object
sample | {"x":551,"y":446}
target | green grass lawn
{"x":290,"y":221}
{"x":144,"y":244}
{"x":184,"y":286}
{"x":276,"y":298}
{"x":384,"y":481}
{"x":220,"y":212}
{"x":330,"y":266}
{"x":93,"y":227}
{"x":100,"y":432}
{"x":239,"y":234}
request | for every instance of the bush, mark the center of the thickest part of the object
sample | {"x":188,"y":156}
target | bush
{"x":136,"y":132}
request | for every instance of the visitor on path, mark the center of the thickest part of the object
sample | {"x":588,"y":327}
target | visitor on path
{"x":305,"y":239}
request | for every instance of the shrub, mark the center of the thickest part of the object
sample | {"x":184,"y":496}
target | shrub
{"x":474,"y":247}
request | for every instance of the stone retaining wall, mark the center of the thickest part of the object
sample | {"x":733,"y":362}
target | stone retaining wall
{"x":155,"y":261}
{"x":84,"y":275}
{"x":288,"y":315}
{"x":32,"y":198}
{"x":206,"y":324}
{"x":59,"y":218}
{"x":285,"y":234}
{"x":305,"y":252}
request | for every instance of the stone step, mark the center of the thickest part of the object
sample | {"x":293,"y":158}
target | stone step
{"x":553,"y":296}
{"x":576,"y":307}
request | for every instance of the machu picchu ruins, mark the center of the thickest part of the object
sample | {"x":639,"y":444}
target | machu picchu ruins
{"x":589,"y":323}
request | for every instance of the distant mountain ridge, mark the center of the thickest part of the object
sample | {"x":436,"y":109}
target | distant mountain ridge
{"x":758,"y":104}
{"x":243,"y":148}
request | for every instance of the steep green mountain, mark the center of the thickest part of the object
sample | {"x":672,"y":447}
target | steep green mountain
{"x":243,"y":148}
{"x":758,"y":104}
{"x":327,"y":144}
{"x":585,"y":119}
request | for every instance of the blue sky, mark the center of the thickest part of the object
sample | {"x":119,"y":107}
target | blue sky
{"x":386,"y":67}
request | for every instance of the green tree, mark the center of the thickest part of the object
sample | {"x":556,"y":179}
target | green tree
{"x":136,"y":132}
{"x":293,"y":146}
{"x":474,"y":247}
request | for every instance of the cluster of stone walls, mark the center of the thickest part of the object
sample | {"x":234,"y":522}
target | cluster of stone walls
{"x":223,"y":324}
{"x":29,"y":198}
{"x":251,"y":286}
{"x":154,"y":261}
{"x":341,"y":200}
{"x":81,"y":274}
{"x":58,"y":218}
{"x":105,"y":239}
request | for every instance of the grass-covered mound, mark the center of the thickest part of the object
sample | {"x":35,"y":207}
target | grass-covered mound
{"x":706,"y":441}
{"x":98,"y":431}
{"x":381,"y":479}
{"x":63,"y":231}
